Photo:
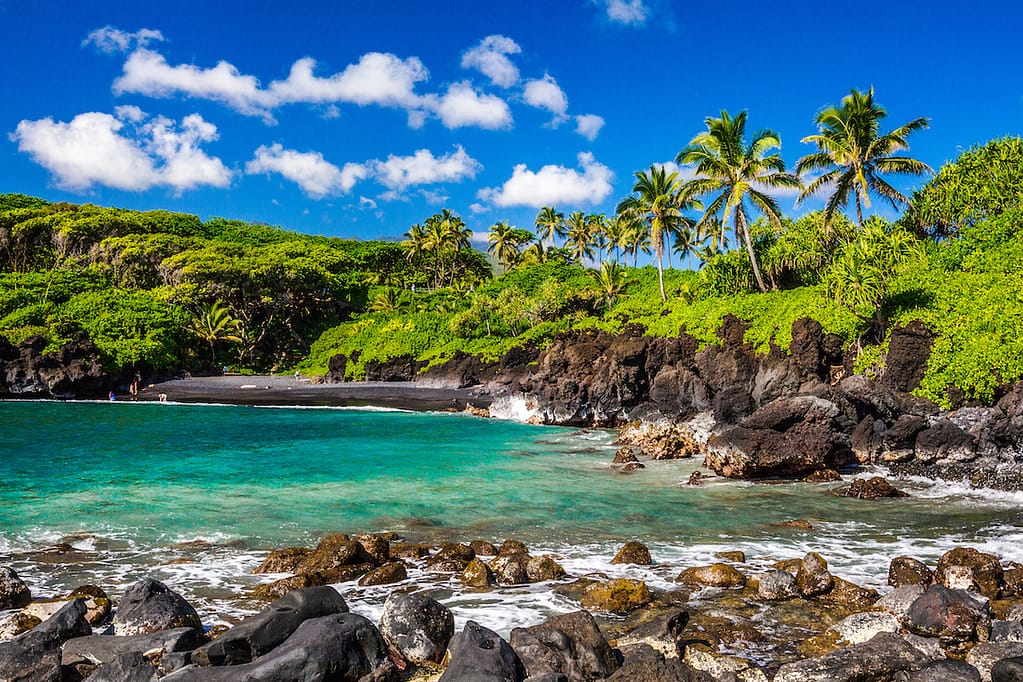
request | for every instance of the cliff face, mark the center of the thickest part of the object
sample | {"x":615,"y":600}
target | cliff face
{"x":73,"y":371}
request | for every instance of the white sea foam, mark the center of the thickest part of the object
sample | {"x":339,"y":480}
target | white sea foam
{"x":512,"y":408}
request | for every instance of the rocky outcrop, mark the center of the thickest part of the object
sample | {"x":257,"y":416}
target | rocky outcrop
{"x":909,"y":348}
{"x":72,"y":371}
{"x":569,"y":644}
{"x":35,"y":655}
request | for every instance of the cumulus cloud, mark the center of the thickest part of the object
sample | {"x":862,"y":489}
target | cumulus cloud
{"x":490,"y":57}
{"x":553,"y":185}
{"x":545,"y":93}
{"x":589,"y":125}
{"x":463,"y":106}
{"x":423,"y":168}
{"x":126,"y":153}
{"x":316,"y":176}
{"x":626,"y":12}
{"x":110,"y":40}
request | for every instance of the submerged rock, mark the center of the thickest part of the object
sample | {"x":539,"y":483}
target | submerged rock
{"x":876,"y":488}
{"x":619,"y":596}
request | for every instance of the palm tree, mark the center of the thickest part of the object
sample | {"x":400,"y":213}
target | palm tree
{"x":550,"y":223}
{"x":597,"y":223}
{"x":578,"y":237}
{"x":414,"y":243}
{"x":610,"y":281}
{"x":657,"y":201}
{"x":688,"y":241}
{"x":214,"y":322}
{"x":853,"y":154}
{"x":736,"y":171}
{"x":504,"y":243}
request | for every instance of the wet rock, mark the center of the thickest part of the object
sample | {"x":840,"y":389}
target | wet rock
{"x":97,"y":603}
{"x":417,"y":626}
{"x":451,"y":558}
{"x":848,"y":597}
{"x":776,"y":586}
{"x":661,"y":440}
{"x":510,"y":569}
{"x":737,"y":556}
{"x":148,"y":605}
{"x":823,"y":476}
{"x":1012,"y":583}
{"x":15,"y":623}
{"x":409,"y":550}
{"x":664,"y":632}
{"x":714,"y":575}
{"x":570,"y":644}
{"x":984,"y":569}
{"x":788,"y":438}
{"x":953,"y":615}
{"x":984,"y":656}
{"x":130,"y":667}
{"x":279,"y":588}
{"x":103,"y":649}
{"x":619,"y":596}
{"x":898,"y":601}
{"x":904,"y":570}
{"x":813,"y":577}
{"x":625,"y":455}
{"x":875,"y":488}
{"x":14,"y":593}
{"x":855,"y":629}
{"x":544,"y":568}
{"x":878,"y":659}
{"x":261,"y":633}
{"x":721,"y":667}
{"x":1008,"y":670}
{"x":480,"y":655}
{"x":336,"y":559}
{"x":633,"y":552}
{"x":391,"y":572}
{"x":344,"y":647}
{"x":512,"y":547}
{"x":801,"y":524}
{"x":483,"y":548}
{"x":477,"y":574}
{"x":944,"y":441}
{"x":897,"y":442}
{"x":946,"y":671}
{"x":35,"y":655}
{"x":285,"y":560}
{"x":375,"y":547}
{"x":1007,"y":631}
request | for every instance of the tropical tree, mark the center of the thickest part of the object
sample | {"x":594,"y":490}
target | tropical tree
{"x":852,"y":154}
{"x":214,"y":323}
{"x":688,"y":241}
{"x":610,"y":281}
{"x":550,"y":223}
{"x":506,"y":243}
{"x":735,"y":172}
{"x":657,"y":201}
{"x":596,"y":224}
{"x":578,"y":237}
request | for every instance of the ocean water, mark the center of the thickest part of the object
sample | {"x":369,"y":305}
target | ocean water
{"x":196,"y":496}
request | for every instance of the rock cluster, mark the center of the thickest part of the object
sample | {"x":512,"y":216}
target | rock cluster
{"x":72,"y":371}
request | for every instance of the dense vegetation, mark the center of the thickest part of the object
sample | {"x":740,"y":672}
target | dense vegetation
{"x":161,"y":292}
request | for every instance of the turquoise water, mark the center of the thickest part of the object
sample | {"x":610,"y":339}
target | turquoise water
{"x":129,"y":483}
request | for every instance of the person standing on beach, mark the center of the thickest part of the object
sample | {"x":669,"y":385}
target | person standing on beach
{"x":133,"y":389}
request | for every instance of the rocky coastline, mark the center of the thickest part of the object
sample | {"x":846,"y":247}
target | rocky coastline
{"x":735,"y":620}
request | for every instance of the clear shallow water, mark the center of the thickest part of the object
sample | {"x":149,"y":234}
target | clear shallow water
{"x":196,"y":495}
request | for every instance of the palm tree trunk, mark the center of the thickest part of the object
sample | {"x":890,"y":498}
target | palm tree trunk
{"x":859,"y":210}
{"x":660,"y":274}
{"x":740,"y":222}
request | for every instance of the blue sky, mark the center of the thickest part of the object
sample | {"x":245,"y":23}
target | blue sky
{"x":357,"y":119}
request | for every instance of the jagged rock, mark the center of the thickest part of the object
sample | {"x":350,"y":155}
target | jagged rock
{"x":391,"y":572}
{"x":477,"y":574}
{"x":633,"y":552}
{"x":261,"y":633}
{"x":148,"y":605}
{"x":984,"y":656}
{"x":848,"y":596}
{"x":625,"y":455}
{"x":874,"y":488}
{"x":878,"y":659}
{"x":337,"y":558}
{"x":97,"y":603}
{"x":544,"y":568}
{"x":738,"y":556}
{"x":619,"y":596}
{"x":14,"y":593}
{"x":944,"y":441}
{"x":823,"y":476}
{"x":129,"y":667}
{"x":376,"y":548}
{"x":480,"y":655}
{"x":985,"y":569}
{"x":776,"y":585}
{"x":73,"y":371}
{"x":909,"y":348}
{"x":788,"y":438}
{"x":417,"y":626}
{"x":35,"y":655}
{"x":103,"y":649}
{"x":714,"y":575}
{"x":344,"y":647}
{"x":410,"y":550}
{"x":898,"y":441}
{"x":946,"y":671}
{"x":570,"y":644}
{"x":953,"y":615}
{"x":904,"y":570}
{"x":1012,"y":582}
{"x":813,"y":577}
{"x":662,"y":440}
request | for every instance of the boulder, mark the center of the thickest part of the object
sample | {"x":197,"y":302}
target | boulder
{"x":714,"y":575}
{"x":898,"y":441}
{"x":1007,"y":631}
{"x":633,"y":552}
{"x":985,"y":569}
{"x":946,"y":671}
{"x":776,"y":586}
{"x":285,"y":560}
{"x":148,"y":605}
{"x":451,"y":558}
{"x":477,"y":574}
{"x":1008,"y":670}
{"x":953,"y":615}
{"x":736,"y":555}
{"x":662,"y":670}
{"x":130,"y":667}
{"x":261,"y":633}
{"x":483,"y":548}
{"x":813,"y":578}
{"x":898,"y":601}
{"x":984,"y":656}
{"x":880,"y":658}
{"x":909,"y":348}
{"x":343,"y":647}
{"x":570,"y":644}
{"x":848,"y":597}
{"x":385,"y":574}
{"x":787,"y":438}
{"x":855,"y":629}
{"x":279,"y":588}
{"x":104,"y":649}
{"x":480,"y":655}
{"x":14,"y":593}
{"x":944,"y":441}
{"x":417,"y":626}
{"x":512,"y":547}
{"x":874,"y":488}
{"x":510,"y":569}
{"x":35,"y":655}
{"x":544,"y":568}
{"x":619,"y":596}
{"x":904,"y":570}
{"x":97,"y":603}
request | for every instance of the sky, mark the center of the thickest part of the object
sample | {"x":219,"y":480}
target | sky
{"x":359,"y":119}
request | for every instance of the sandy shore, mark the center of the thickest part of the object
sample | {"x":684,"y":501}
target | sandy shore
{"x":286,"y":390}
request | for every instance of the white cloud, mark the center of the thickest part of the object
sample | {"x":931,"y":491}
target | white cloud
{"x":627,"y":12}
{"x":366,"y":202}
{"x":110,"y":40}
{"x":434,"y":198}
{"x":589,"y":125}
{"x":553,"y":185}
{"x":478,"y":208}
{"x":463,"y":106}
{"x":124,"y":153}
{"x":480,"y":238}
{"x":309,"y":170}
{"x":490,"y":57}
{"x":378,"y":78}
{"x":545,"y":93}
{"x":423,"y":168}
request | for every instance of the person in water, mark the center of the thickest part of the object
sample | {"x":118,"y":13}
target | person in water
{"x":111,"y":396}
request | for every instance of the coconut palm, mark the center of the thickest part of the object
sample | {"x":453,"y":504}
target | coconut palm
{"x":578,"y":237}
{"x":214,"y":323}
{"x":505,"y":242}
{"x":852,"y":154}
{"x":550,"y":223}
{"x":657,"y":202}
{"x":610,"y":281}
{"x":736,"y":172}
{"x":415,"y":240}
{"x":688,"y":241}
